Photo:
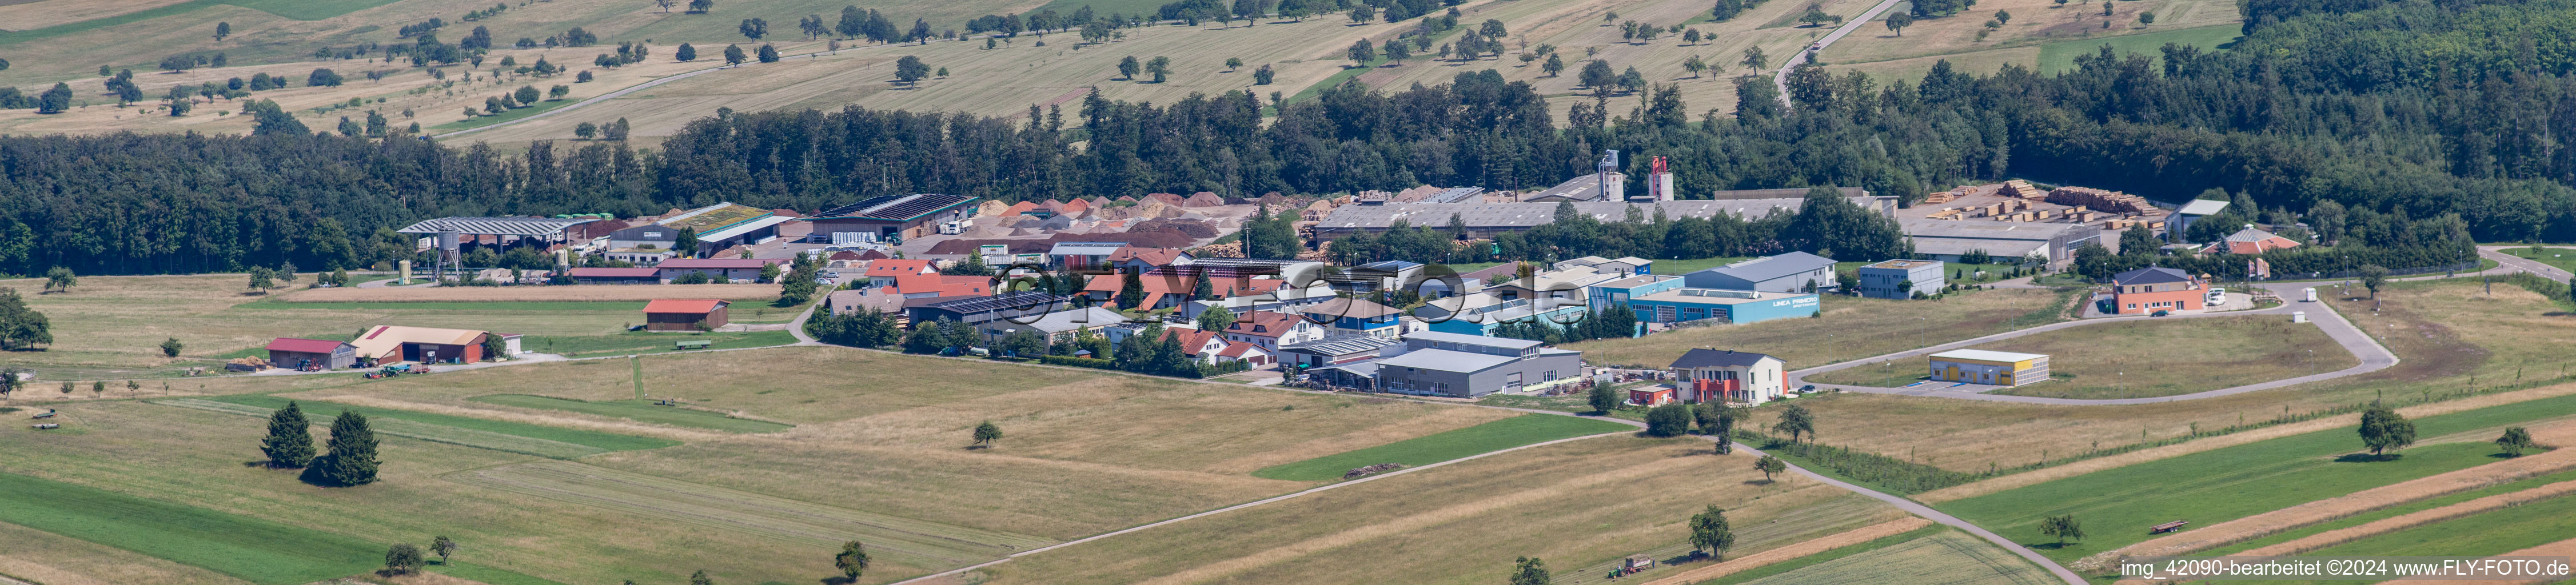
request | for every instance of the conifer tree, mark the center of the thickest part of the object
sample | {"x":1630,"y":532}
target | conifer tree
{"x":352,"y":459}
{"x":290,"y":438}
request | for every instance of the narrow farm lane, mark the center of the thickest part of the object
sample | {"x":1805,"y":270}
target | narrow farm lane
{"x":1781,"y":77}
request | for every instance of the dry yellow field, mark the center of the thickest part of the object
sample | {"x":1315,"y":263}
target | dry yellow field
{"x":636,"y":292}
{"x":43,"y":13}
{"x":1839,"y":540}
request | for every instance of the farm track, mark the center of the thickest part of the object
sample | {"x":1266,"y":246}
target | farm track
{"x":1777,"y":555}
{"x":913,"y":542}
{"x":434,"y":433}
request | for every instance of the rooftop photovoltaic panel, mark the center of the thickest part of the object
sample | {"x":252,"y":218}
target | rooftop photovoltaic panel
{"x":1017,"y":300}
{"x":511,"y":226}
{"x":898,"y":207}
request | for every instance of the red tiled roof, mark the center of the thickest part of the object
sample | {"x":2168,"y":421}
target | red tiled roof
{"x":1153,"y":256}
{"x":899,"y":267}
{"x":613,"y":272}
{"x":719,"y":262}
{"x":843,"y":255}
{"x":304,"y":345}
{"x":946,"y":286}
{"x":1263,"y":323}
{"x":1237,"y":349}
{"x":1191,"y":339}
{"x":687,"y":306}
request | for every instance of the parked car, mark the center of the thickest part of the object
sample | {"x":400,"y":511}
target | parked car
{"x":2160,"y":313}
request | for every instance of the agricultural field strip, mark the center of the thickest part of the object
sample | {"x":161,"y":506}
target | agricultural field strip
{"x":2374,"y":357}
{"x":1853,"y":511}
{"x":1918,"y":509}
{"x":2414,"y":519}
{"x":251,"y":549}
{"x":2256,"y":526}
{"x":414,"y":430}
{"x":942,"y":576}
{"x":1939,"y":559}
{"x":669,"y":415}
{"x":917,"y":542}
{"x":1792,"y":551}
{"x":1780,"y":78}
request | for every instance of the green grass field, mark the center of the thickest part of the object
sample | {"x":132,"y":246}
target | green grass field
{"x":603,"y":441}
{"x":251,"y":549}
{"x":505,"y":116}
{"x":2395,"y":511}
{"x":2060,"y":56}
{"x":639,"y":411}
{"x":2561,"y":258}
{"x":648,"y":342}
{"x":2117,"y":505}
{"x":1850,"y":328}
{"x":2146,"y":358}
{"x":1435,"y":448}
{"x":2492,"y":533}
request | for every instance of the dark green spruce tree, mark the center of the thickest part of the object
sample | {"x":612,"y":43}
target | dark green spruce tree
{"x":352,"y":460}
{"x":290,"y":438}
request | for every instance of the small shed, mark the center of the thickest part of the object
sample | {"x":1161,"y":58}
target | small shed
{"x":289,"y":352}
{"x":684,"y":314}
{"x":1655,"y":396}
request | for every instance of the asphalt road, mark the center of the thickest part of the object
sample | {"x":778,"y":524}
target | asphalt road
{"x":1781,"y":78}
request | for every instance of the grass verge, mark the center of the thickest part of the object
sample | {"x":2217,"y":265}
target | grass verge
{"x":1435,"y":448}
{"x":253,"y":550}
{"x":639,"y":411}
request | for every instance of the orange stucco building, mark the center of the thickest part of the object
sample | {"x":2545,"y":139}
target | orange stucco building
{"x":2156,"y":288}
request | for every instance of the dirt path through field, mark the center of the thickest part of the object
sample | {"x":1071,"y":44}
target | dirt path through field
{"x":1760,"y":559}
{"x":2256,"y":526}
{"x":1979,"y":488}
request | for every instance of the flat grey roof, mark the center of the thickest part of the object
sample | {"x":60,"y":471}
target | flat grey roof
{"x":2203,"y":207}
{"x":1775,"y":266}
{"x":1447,"y":361}
{"x":1341,"y":345}
{"x":1987,"y":230}
{"x":507,"y":226}
{"x":1478,"y":340}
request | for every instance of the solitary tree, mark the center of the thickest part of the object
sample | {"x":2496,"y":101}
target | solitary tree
{"x":767,"y":54}
{"x":987,"y":433}
{"x":1670,"y":420}
{"x":352,"y":459}
{"x":1603,"y":399}
{"x":290,"y":438}
{"x":443,"y":548}
{"x":1128,"y":67}
{"x":1361,"y":52}
{"x":1398,"y":50}
{"x":700,"y":577}
{"x":1553,"y":66}
{"x":1529,"y":571}
{"x":754,"y":28}
{"x":1233,"y":63}
{"x":402,"y":559}
{"x":1695,"y":65}
{"x":1709,"y":532}
{"x":1769,"y":465}
{"x":853,"y":559}
{"x":223,"y":29}
{"x":1897,"y":22}
{"x":685,"y":53}
{"x":170,"y":347}
{"x":1755,"y":60}
{"x":733,"y":55}
{"x":1795,"y":421}
{"x":1160,"y":66}
{"x":910,"y":69}
{"x":2383,"y":429}
{"x":60,"y":279}
{"x":2063,"y":527}
{"x":2515,"y":441}
{"x":585,"y":130}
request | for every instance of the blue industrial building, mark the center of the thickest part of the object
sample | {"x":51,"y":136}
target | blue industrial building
{"x":1682,"y":305}
{"x":1791,"y":272}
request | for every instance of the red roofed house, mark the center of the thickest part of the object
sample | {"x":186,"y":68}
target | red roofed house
{"x":684,"y":314}
{"x":884,"y":272}
{"x":1208,"y":347}
{"x":1271,"y":330}
{"x":2249,"y":241}
{"x":1246,"y":353}
{"x":615,"y":275}
{"x":1144,"y":260}
{"x":289,"y":352}
{"x":1163,"y":289}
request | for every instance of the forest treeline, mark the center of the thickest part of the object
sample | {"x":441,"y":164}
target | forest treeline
{"x":2414,"y":109}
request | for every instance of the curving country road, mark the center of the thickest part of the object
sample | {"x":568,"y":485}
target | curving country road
{"x":1780,"y":78}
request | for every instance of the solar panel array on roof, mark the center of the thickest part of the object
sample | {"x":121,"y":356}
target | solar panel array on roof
{"x":897,"y":207}
{"x":1017,"y":300}
{"x":1454,"y":195}
{"x":508,"y":226}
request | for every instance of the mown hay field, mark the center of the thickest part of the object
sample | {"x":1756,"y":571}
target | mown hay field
{"x":2134,"y":358}
{"x":586,"y":293}
{"x":1850,"y":328}
{"x":262,"y":552}
{"x":639,"y":410}
{"x":1502,"y":434}
{"x":1946,"y":558}
{"x":1462,"y":523}
{"x":2040,"y":34}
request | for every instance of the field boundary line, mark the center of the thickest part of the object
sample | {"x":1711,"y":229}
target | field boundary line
{"x":1269,"y":500}
{"x":1918,"y":509}
{"x":2416,"y":519}
{"x":1794,"y":550}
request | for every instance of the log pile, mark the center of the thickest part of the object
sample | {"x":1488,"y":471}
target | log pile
{"x":2100,"y":200}
{"x":1372,"y":470}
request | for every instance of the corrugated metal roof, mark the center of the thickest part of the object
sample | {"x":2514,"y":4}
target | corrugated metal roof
{"x":506,"y":226}
{"x":1776,"y":266}
{"x":1477,"y":340}
{"x":896,"y":207}
{"x":1447,"y":361}
{"x":1987,"y":355}
{"x":305,"y":345}
{"x":690,"y":306}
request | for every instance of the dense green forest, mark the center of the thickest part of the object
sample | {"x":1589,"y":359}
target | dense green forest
{"x":2409,"y":109}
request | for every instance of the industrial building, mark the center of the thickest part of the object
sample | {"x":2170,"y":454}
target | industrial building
{"x":1356,"y":317}
{"x":1948,"y":240}
{"x":594,"y":275}
{"x":717,"y":227}
{"x":1484,"y":313}
{"x":1791,"y":272}
{"x":890,"y":217}
{"x":1995,"y":368}
{"x":978,"y":309}
{"x":1486,"y":220}
{"x":385,"y":344}
{"x":1683,"y":305}
{"x":2156,"y":288}
{"x":1902,"y":279}
{"x":721,"y":270}
{"x":1462,"y":366}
